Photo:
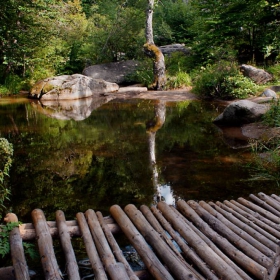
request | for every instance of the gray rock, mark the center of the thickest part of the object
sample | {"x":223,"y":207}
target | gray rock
{"x":269,"y":93}
{"x":169,"y":49}
{"x":259,"y":76}
{"x":275,"y":88}
{"x":114,"y":72}
{"x":70,"y":87}
{"x":241,"y":112}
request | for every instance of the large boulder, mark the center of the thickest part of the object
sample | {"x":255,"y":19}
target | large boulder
{"x":170,"y":49}
{"x":114,"y":72}
{"x":259,"y":76}
{"x":69,"y":87}
{"x":241,"y":112}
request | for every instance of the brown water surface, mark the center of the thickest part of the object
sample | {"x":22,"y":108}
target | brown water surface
{"x":93,"y":153}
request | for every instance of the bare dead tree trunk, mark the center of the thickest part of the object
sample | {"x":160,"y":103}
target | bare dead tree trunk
{"x":152,"y":51}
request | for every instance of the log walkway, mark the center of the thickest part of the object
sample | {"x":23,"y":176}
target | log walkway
{"x":237,"y":239}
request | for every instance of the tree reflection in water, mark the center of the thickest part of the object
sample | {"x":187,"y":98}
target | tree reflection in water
{"x":110,"y":157}
{"x":163,"y":191}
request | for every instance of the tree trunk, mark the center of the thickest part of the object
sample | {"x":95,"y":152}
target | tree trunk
{"x":152,"y":51}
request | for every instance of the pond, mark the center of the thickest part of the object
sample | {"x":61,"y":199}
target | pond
{"x":94,"y":153}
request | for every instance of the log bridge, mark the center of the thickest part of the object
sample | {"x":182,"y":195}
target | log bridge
{"x":236,"y":239}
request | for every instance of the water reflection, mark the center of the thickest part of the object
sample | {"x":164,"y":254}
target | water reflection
{"x":162,"y":192}
{"x":114,"y":156}
{"x":77,"y":110}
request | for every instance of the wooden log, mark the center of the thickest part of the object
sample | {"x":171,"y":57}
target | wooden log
{"x":115,"y":247}
{"x":143,"y":274}
{"x":94,"y":259}
{"x":157,"y":227}
{"x":238,"y":231}
{"x":176,"y":265}
{"x":239,"y":257}
{"x":187,"y":251}
{"x":7,"y":273}
{"x":257,"y":215}
{"x":18,"y":257}
{"x":265,"y":205}
{"x":118,"y":270}
{"x":151,"y":261}
{"x":249,"y":226}
{"x":209,"y":242}
{"x":275,"y":269}
{"x":254,"y":217}
{"x":276,"y":197}
{"x":65,"y":240}
{"x":71,"y":223}
{"x":28,"y":233}
{"x":269,"y":200}
{"x":216,"y":263}
{"x":240,"y":243}
{"x":45,"y":244}
{"x":17,"y":251}
{"x":260,"y":210}
{"x":114,"y":269}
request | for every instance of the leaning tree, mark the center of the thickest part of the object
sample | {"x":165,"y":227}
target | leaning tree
{"x":152,"y":51}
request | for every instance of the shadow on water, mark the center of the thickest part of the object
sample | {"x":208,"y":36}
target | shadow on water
{"x":95,"y":153}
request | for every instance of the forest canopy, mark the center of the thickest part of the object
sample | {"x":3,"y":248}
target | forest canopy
{"x":40,"y":38}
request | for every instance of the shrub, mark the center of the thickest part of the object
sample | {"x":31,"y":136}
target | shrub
{"x":238,"y":86}
{"x":6,"y":153}
{"x":3,"y":90}
{"x":13,"y":83}
{"x":275,"y":71}
{"x":223,"y":81}
{"x":267,"y":160}
{"x":177,"y":62}
{"x":143,"y":74}
{"x":272,"y":116}
{"x":179,"y":80}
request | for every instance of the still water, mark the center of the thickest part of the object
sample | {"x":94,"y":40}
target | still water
{"x":93,"y":154}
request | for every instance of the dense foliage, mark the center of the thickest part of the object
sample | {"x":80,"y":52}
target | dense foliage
{"x":6,"y":155}
{"x":40,"y":38}
{"x":224,"y":81}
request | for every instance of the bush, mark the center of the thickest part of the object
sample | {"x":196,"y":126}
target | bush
{"x":180,"y":80}
{"x":239,"y":86}
{"x":272,"y":116}
{"x":223,"y":81}
{"x":143,"y":74}
{"x":6,"y":153}
{"x":13,"y":83}
{"x":3,"y":90}
{"x":275,"y":71}
{"x":177,"y":62}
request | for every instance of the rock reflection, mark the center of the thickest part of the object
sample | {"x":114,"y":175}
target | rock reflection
{"x":77,"y":110}
{"x":233,"y":137}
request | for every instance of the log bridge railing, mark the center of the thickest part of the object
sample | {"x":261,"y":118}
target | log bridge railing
{"x":230,"y":240}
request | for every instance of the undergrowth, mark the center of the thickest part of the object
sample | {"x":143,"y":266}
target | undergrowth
{"x":5,"y":230}
{"x":266,"y":160}
{"x":223,"y":81}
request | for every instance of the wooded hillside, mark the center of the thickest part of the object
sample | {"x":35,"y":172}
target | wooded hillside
{"x":40,"y":38}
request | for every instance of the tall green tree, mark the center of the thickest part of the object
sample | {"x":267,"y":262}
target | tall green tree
{"x":39,"y":37}
{"x":116,"y":31}
{"x":251,"y":28}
